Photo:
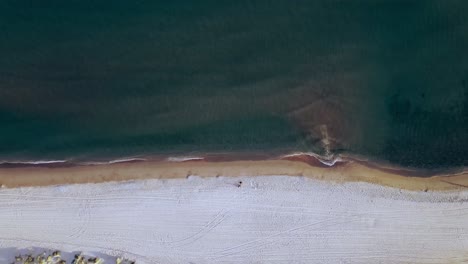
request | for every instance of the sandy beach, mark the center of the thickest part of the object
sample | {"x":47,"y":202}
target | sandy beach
{"x":173,"y":168}
{"x":266,"y":219}
{"x":192,"y":210}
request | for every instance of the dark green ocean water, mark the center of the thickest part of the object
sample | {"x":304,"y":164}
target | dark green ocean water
{"x":386,"y":80}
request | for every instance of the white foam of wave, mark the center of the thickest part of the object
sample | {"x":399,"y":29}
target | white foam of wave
{"x":126,"y":160}
{"x":326,"y":160}
{"x":112,"y":161}
{"x":37,"y":162}
{"x":180,"y":159}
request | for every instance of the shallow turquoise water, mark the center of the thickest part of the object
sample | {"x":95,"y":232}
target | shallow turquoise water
{"x":382,"y":79}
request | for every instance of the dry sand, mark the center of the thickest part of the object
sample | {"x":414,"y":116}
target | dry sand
{"x":345,"y":172}
{"x":266,"y":219}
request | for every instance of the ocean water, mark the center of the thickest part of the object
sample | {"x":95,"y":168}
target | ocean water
{"x":386,"y":80}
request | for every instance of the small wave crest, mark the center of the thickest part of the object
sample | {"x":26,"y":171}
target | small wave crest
{"x":329,"y":160}
{"x":61,"y":163}
{"x":37,"y":162}
{"x":123,"y":160}
{"x":182,"y":159}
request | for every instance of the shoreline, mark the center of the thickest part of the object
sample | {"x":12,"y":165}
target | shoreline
{"x":310,"y":158}
{"x":339,"y":169}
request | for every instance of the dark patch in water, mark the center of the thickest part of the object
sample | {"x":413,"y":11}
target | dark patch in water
{"x":430,"y":138}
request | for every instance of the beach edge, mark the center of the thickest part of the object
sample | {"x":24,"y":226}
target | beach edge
{"x":299,"y":166}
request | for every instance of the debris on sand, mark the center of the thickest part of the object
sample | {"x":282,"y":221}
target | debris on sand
{"x":56,"y":258}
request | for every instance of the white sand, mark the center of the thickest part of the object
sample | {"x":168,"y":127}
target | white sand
{"x":275,"y":219}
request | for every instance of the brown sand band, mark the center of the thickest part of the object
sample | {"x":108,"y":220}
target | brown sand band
{"x":345,"y":172}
